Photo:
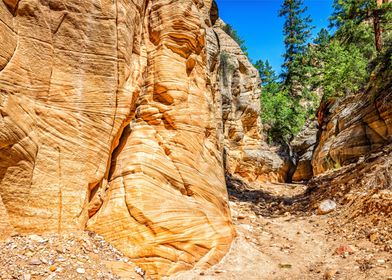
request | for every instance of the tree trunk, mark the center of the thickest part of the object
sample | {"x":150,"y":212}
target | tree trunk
{"x":377,"y":25}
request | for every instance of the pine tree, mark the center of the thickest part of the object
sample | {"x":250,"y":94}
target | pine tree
{"x":266,"y":73}
{"x":348,"y":16}
{"x":296,"y":31}
{"x":323,"y":38}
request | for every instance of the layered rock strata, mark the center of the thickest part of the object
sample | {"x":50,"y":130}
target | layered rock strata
{"x":109,"y":122}
{"x":355,"y":126}
{"x":122,"y":118}
{"x":303,"y":146}
{"x":245,"y":150}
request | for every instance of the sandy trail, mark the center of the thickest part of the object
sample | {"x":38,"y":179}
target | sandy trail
{"x":277,"y":242}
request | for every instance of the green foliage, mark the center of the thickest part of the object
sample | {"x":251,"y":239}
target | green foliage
{"x":387,"y":24}
{"x":381,"y":76}
{"x":339,"y":70}
{"x":281,"y":101}
{"x":281,"y":114}
{"x":353,"y":20}
{"x":296,"y":31}
{"x":331,"y":164}
{"x":349,"y":13}
{"x":267,"y":74}
{"x":345,"y":70}
{"x":336,"y":64}
{"x":323,"y":38}
{"x":236,"y":37}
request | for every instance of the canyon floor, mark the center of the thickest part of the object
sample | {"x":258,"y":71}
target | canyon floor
{"x":276,"y":239}
{"x":279,"y":240}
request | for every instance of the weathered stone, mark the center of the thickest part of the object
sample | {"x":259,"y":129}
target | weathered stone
{"x":108,"y":122}
{"x":246,"y":153}
{"x":122,"y":118}
{"x":355,"y":126}
{"x":326,"y":206}
{"x":35,"y":261}
{"x":80,"y":270}
{"x":303,"y":145}
{"x":344,"y":250}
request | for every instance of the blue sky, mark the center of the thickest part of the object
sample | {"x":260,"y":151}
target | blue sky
{"x":257,"y":22}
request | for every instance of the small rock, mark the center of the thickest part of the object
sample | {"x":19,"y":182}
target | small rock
{"x":381,"y":261}
{"x":51,"y":277}
{"x":285,"y":265}
{"x":326,"y":206}
{"x":80,"y":270}
{"x":35,"y":262}
{"x":37,"y":238}
{"x":344,"y":250}
{"x":61,"y":259}
{"x":59,"y":269}
{"x":139,"y":271}
{"x":329,"y":274}
{"x":27,"y":277}
{"x":373,"y":237}
{"x":241,"y":216}
{"x":247,"y":227}
{"x":52,"y":268}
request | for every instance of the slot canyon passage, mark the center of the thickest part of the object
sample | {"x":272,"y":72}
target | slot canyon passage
{"x":131,"y":147}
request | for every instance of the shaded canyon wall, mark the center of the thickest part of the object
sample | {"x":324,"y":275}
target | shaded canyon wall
{"x":355,"y":126}
{"x":122,"y":118}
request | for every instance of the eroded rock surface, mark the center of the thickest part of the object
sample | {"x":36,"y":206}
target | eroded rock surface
{"x":108,"y":122}
{"x":245,"y":150}
{"x":303,"y":146}
{"x":354,"y":127}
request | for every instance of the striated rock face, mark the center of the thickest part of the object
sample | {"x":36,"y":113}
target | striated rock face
{"x":237,"y":82}
{"x":355,"y":127}
{"x":303,"y":146}
{"x":109,"y":120}
{"x":122,"y":118}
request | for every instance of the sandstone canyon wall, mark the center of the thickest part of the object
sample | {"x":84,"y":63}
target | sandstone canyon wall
{"x":346,"y":129}
{"x":355,"y":126}
{"x":303,"y":146}
{"x":110,"y":122}
{"x":122,"y":118}
{"x":237,"y":82}
{"x":353,"y":158}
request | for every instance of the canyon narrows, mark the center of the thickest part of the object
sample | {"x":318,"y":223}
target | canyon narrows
{"x":130,"y":120}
